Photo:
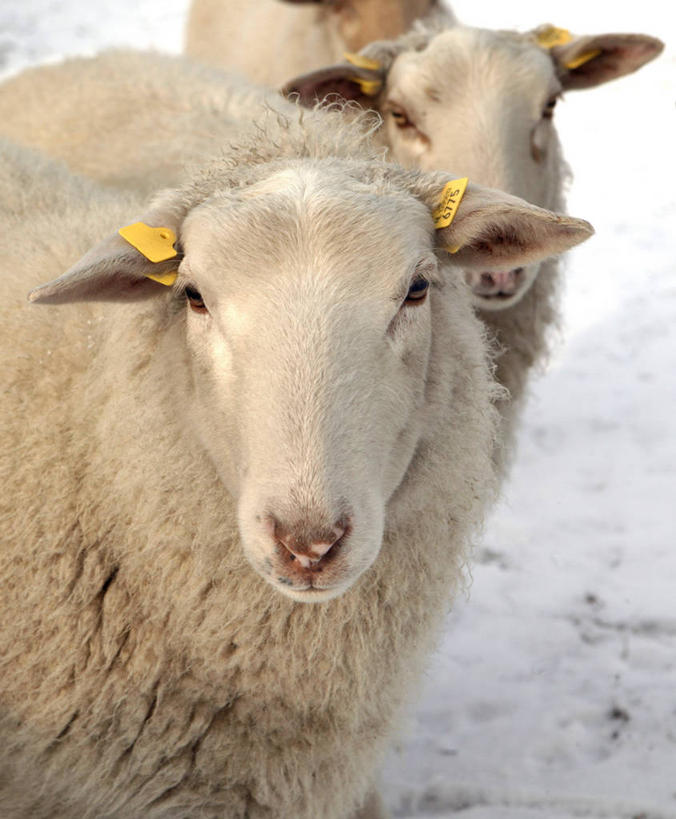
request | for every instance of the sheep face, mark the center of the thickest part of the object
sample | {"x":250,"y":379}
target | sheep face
{"x":308,"y":322}
{"x":477,"y":100}
{"x":485,"y":100}
{"x":306,"y":309}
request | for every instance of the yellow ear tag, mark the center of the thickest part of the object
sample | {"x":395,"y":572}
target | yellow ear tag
{"x":369,"y":87}
{"x":550,"y":36}
{"x":362,"y":62}
{"x":167,"y":279}
{"x":156,"y":244}
{"x":582,"y":59}
{"x":451,"y":196}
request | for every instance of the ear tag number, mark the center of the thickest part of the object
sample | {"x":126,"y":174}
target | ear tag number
{"x":576,"y":62}
{"x":362,"y":62}
{"x":156,"y":244}
{"x":451,"y":196}
{"x":550,"y":36}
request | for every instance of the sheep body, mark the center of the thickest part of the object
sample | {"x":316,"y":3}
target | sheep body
{"x":269,"y":41}
{"x":129,"y":119}
{"x":147,"y":669}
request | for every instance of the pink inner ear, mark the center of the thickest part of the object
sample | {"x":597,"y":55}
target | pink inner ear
{"x":621,"y":54}
{"x":310,"y":93}
{"x":628,"y":58}
{"x":340,"y":80}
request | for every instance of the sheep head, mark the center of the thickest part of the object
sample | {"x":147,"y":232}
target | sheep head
{"x":316,"y":309}
{"x":358,"y":22}
{"x":480,"y":101}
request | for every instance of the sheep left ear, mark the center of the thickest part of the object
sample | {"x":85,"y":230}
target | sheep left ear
{"x":119,"y":268}
{"x":585,"y":62}
{"x":484,"y":228}
{"x":358,"y":83}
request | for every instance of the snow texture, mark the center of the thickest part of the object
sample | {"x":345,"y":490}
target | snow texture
{"x":553,"y":692}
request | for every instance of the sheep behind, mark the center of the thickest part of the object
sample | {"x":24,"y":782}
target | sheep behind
{"x":484,"y":100}
{"x":270,"y":41}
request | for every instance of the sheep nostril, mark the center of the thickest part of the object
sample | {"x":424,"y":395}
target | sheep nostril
{"x":306,"y":544}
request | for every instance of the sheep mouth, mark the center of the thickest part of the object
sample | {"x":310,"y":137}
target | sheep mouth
{"x":310,"y":593}
{"x":500,"y":285}
{"x":319,"y":581}
{"x":306,"y":584}
{"x":291,"y":578}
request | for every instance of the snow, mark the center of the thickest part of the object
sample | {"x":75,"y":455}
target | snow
{"x":553,"y":692}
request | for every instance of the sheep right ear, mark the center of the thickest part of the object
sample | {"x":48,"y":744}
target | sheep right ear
{"x":492,"y":230}
{"x":586,"y":62}
{"x":121,"y":269}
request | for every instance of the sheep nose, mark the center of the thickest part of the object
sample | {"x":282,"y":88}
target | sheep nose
{"x":306,"y":543}
{"x":497,"y":281}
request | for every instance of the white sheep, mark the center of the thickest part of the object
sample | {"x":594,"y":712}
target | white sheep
{"x":305,"y":415}
{"x":270,"y":41}
{"x":482,"y":101}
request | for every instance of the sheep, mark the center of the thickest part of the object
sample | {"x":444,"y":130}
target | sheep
{"x":485,"y":100}
{"x":281,"y":39}
{"x":235,"y":506}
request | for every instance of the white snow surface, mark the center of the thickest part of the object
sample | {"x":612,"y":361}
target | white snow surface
{"x":553,"y":692}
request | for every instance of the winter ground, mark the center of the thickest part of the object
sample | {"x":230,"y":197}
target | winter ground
{"x":553,"y":693}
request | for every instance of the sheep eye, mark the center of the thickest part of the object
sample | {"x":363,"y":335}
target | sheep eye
{"x":417,"y":292}
{"x":195,"y":300}
{"x":548,"y":110}
{"x":399,"y":117}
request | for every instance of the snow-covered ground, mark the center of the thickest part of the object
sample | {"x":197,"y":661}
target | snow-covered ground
{"x":553,"y":693}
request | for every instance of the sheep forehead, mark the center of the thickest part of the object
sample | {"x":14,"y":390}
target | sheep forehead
{"x":464,"y":62}
{"x":307,"y":220}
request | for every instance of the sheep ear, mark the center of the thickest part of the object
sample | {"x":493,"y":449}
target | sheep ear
{"x":493,"y":230}
{"x":585,"y":62}
{"x":353,"y":82}
{"x":120,"y":269}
